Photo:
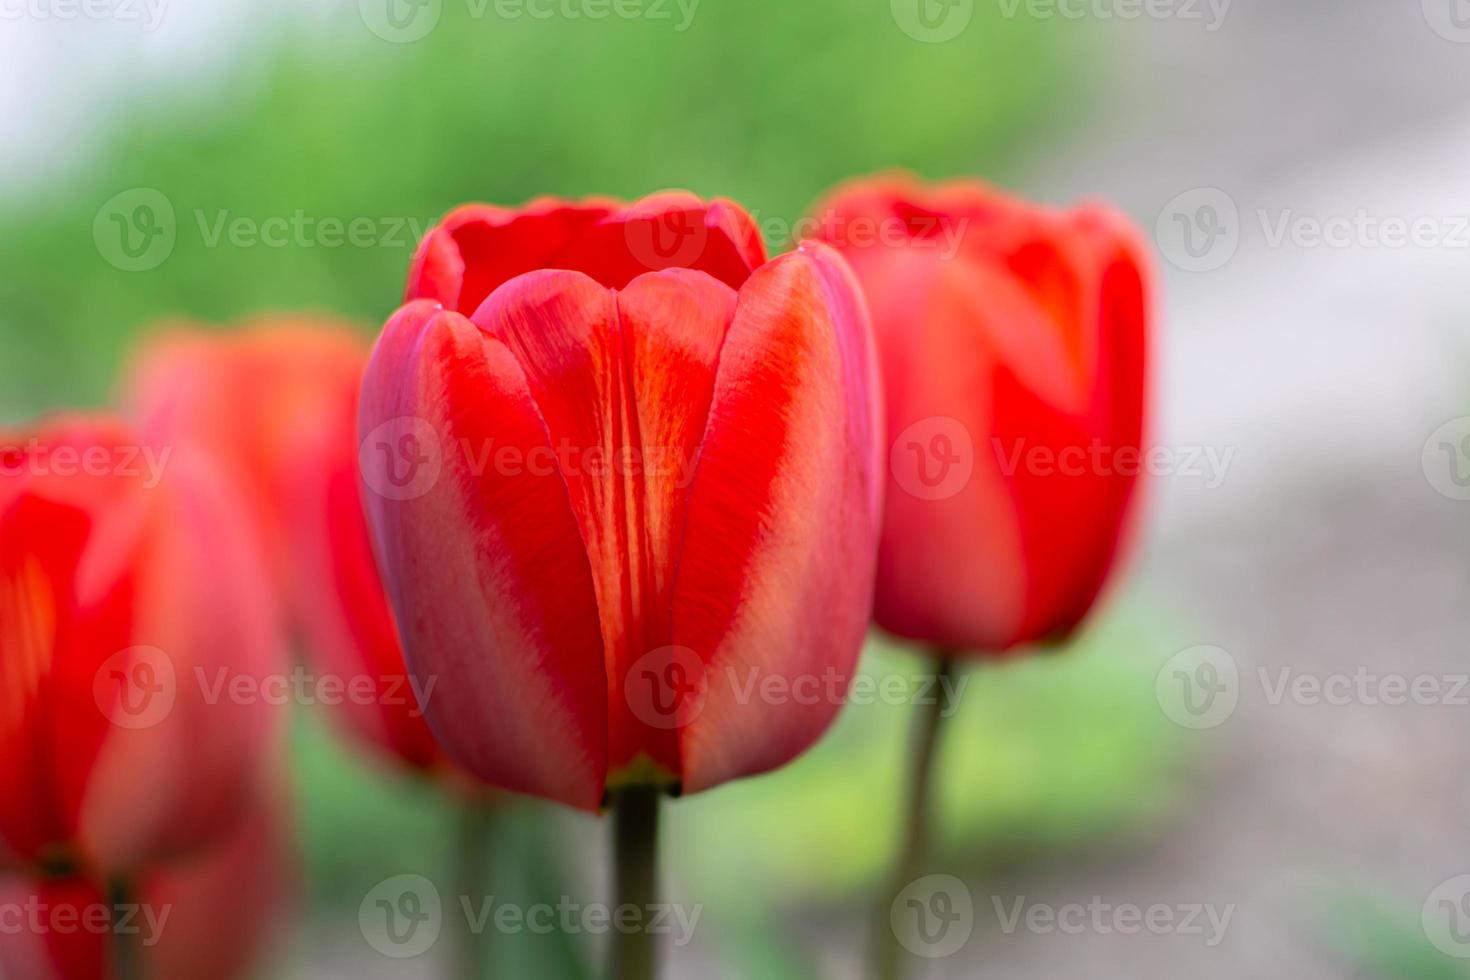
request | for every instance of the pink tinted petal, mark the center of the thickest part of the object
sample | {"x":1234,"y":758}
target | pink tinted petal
{"x":482,"y":557}
{"x":776,"y":570}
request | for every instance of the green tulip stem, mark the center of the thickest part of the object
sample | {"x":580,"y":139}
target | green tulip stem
{"x":634,"y":954}
{"x":888,"y":955}
{"x":477,"y":819}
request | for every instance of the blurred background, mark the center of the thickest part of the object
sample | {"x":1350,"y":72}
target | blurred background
{"x":1301,"y":167}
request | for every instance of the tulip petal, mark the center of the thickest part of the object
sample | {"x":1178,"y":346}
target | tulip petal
{"x":623,"y":382}
{"x":484,"y":564}
{"x":478,"y":247}
{"x":775,"y":571}
{"x":1095,"y":508}
{"x":674,"y":229}
{"x":69,"y":545}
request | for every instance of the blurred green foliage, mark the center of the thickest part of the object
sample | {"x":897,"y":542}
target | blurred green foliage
{"x":767,"y":102}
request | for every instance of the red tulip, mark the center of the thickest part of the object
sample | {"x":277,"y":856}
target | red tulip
{"x":209,"y":916}
{"x":132,"y":606}
{"x":606,"y":498}
{"x":1013,"y":341}
{"x":276,"y":404}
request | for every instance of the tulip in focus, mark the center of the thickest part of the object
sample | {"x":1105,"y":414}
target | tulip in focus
{"x":618,"y":467}
{"x":275,"y":403}
{"x":1013,"y":341}
{"x":131,"y":604}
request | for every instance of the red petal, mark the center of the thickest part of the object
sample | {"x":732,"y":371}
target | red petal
{"x":672,"y":230}
{"x":776,"y":569}
{"x":484,"y":564}
{"x":623,"y":383}
{"x":477,"y":247}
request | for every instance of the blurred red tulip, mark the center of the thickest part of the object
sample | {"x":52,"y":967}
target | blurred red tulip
{"x":276,"y":404}
{"x":133,"y":607}
{"x":607,"y":499}
{"x":1013,"y":343}
{"x":210,"y":916}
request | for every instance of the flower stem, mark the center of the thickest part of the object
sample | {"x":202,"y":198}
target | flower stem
{"x":477,"y":819}
{"x":635,"y":847}
{"x":915,"y":825}
{"x":127,"y":952}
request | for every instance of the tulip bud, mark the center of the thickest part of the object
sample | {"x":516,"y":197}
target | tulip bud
{"x":275,"y":403}
{"x":1013,"y":343}
{"x":621,"y":475}
{"x":132,"y":606}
